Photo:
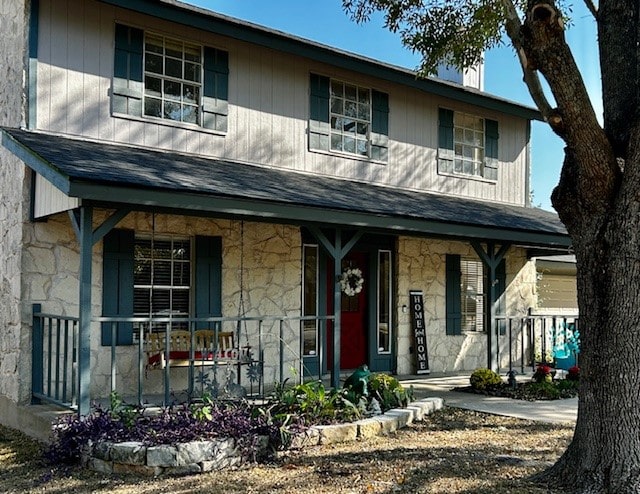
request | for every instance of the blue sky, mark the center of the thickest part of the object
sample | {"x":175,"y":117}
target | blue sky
{"x":325,"y":21}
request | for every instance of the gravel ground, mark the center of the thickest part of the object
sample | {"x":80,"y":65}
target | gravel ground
{"x":453,"y":451}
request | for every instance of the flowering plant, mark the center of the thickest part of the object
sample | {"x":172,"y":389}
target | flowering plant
{"x":573,"y":374}
{"x":542,"y":373}
{"x":351,"y":281}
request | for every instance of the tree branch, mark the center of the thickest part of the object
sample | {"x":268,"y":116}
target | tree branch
{"x":547,"y":50}
{"x":530,"y":76}
{"x":592,"y":8}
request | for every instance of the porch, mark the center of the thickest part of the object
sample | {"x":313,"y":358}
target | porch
{"x":259,"y":352}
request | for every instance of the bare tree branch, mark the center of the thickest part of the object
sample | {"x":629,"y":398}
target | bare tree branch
{"x":592,"y":8}
{"x":530,"y":77}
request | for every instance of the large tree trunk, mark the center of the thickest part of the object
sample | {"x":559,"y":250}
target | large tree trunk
{"x":598,"y":199}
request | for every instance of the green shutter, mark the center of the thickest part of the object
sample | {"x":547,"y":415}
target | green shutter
{"x":379,"y":126}
{"x":117,"y":284}
{"x":445,"y":141}
{"x":127,"y":70}
{"x":491,"y":149}
{"x":453,"y":296}
{"x":445,"y":129}
{"x":208,"y":277}
{"x":215,"y":90}
{"x":319,"y":112}
{"x":501,"y":285}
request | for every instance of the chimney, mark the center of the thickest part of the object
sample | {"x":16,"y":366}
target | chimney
{"x":469,"y":77}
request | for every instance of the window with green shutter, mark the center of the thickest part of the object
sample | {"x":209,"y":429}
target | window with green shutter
{"x":467,"y":145}
{"x":156,"y":76}
{"x":348,"y":119}
{"x":159,"y":276}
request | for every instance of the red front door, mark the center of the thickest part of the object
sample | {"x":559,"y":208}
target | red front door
{"x":353,"y":317}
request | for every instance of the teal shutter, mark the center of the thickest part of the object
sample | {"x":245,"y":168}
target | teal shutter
{"x":208,"y":277}
{"x":445,"y":141}
{"x":127,"y":70}
{"x":379,"y":126}
{"x":319,"y":112}
{"x":491,"y":149}
{"x":215,"y":90}
{"x":117,"y":284}
{"x":501,"y":286}
{"x":453,"y":296}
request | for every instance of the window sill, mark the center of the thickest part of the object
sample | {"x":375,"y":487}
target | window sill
{"x":475,"y":178}
{"x":168,"y":123}
{"x":355,"y":157}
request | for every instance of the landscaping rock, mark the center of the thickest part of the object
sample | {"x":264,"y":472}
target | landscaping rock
{"x":194,"y":452}
{"x":310,"y":437}
{"x":331,"y":434}
{"x":101,"y":466}
{"x":368,"y":428}
{"x":402,"y":415}
{"x":162,"y":456}
{"x":132,"y":453}
{"x":388,"y":424}
{"x":102,"y":450}
{"x":143,"y":470}
{"x":183,"y":470}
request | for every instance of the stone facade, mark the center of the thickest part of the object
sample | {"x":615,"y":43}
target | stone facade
{"x":271,"y":284}
{"x":421,"y":265}
{"x":14,"y":211}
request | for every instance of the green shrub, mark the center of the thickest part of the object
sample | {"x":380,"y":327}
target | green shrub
{"x":310,"y":403}
{"x":543,"y":390}
{"x":388,"y":391}
{"x":484,"y":378}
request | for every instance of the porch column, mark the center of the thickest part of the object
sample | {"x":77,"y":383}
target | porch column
{"x":491,"y":259}
{"x":84,"y":336}
{"x":337,"y":251}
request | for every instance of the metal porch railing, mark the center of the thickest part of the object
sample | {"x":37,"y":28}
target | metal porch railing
{"x":534,"y":339}
{"x":269,"y":349}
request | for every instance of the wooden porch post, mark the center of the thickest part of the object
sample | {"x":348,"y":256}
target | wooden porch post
{"x":84,"y":326}
{"x":492,"y":259}
{"x":337,"y":251}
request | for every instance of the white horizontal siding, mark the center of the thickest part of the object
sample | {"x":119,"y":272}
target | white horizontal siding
{"x":268,"y":110}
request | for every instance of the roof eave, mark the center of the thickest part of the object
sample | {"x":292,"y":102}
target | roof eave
{"x":300,"y":214}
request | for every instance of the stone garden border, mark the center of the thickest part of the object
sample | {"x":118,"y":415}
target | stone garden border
{"x":204,"y":456}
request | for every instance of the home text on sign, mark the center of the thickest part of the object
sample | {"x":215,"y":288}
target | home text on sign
{"x":419,"y":332}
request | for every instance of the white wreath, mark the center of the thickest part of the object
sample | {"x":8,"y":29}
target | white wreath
{"x":351,"y":282}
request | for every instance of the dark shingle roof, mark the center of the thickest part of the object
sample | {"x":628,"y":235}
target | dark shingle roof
{"x":112,"y":166}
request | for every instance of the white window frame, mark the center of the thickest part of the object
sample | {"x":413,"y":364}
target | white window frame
{"x":472,"y":295}
{"x":171,"y":287}
{"x":338,"y":120}
{"x":162,"y":96}
{"x":468,"y":144}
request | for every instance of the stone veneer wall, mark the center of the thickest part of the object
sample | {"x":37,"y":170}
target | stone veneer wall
{"x":272,"y":264}
{"x":14,"y":212}
{"x":421,"y":265}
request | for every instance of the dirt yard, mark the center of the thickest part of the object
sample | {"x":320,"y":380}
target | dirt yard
{"x":453,"y":451}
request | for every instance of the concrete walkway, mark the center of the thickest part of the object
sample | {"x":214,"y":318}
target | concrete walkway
{"x":554,"y":411}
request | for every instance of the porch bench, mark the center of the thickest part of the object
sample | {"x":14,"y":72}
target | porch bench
{"x":206,"y":350}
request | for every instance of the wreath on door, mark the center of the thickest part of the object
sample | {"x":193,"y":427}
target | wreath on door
{"x":351,"y":281}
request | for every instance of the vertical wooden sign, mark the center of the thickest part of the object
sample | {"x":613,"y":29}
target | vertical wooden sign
{"x":416,"y":308}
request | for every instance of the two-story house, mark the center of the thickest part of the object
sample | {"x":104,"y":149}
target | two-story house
{"x":168,"y":170}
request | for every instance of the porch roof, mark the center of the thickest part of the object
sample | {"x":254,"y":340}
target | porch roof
{"x":114,"y":175}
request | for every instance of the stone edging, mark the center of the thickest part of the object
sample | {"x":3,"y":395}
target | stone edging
{"x":204,"y":456}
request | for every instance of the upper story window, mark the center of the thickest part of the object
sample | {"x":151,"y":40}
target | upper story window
{"x":173,"y":71}
{"x":468,"y":145}
{"x":169,"y":79}
{"x":348,"y":119}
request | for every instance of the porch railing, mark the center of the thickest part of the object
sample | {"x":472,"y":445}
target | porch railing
{"x":534,"y":339}
{"x":269,"y":349}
